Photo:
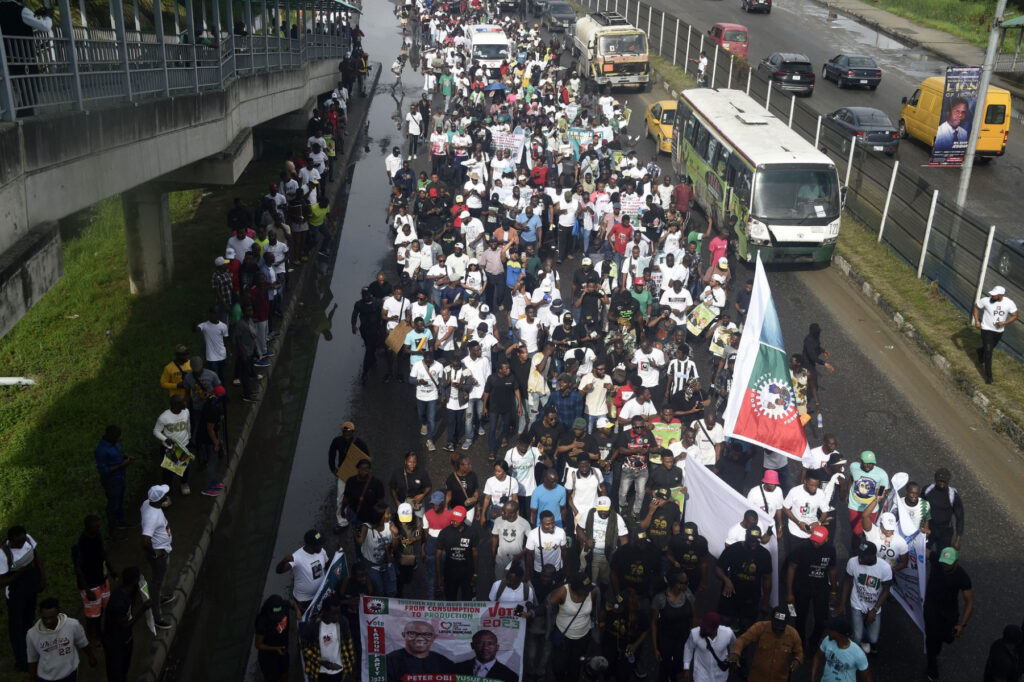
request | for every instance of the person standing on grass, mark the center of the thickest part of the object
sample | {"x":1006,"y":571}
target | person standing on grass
{"x":156,"y":543}
{"x":124,"y":609}
{"x":22,"y":579}
{"x":92,"y":573}
{"x":111,"y":463}
{"x":991,"y":315}
{"x":174,"y":372}
{"x":53,"y":644}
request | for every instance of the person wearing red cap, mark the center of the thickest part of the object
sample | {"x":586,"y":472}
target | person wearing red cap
{"x":456,"y":559}
{"x":706,"y":649}
{"x":812,"y":582}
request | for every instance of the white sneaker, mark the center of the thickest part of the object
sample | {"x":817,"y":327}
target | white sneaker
{"x":185,"y":490}
{"x":430,"y":445}
{"x":866,"y":646}
{"x":423,"y":430}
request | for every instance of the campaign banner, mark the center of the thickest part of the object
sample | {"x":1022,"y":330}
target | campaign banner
{"x":333,"y":579}
{"x":512,"y":141}
{"x":959,"y":98}
{"x":664,"y":434}
{"x":407,"y":640}
{"x":578,"y":137}
{"x":632,"y":204}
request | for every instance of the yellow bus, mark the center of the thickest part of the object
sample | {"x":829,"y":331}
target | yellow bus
{"x":747,"y":166}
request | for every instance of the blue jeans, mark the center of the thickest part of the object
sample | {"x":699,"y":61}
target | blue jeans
{"x":427,"y":411}
{"x":474,"y":409}
{"x":383,"y":579}
{"x":592,"y":421}
{"x":862,"y":633}
{"x":501,"y":425}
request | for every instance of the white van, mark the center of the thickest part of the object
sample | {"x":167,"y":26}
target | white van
{"x":488,"y":45}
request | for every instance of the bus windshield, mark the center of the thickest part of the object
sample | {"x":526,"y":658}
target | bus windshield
{"x":490,"y":52}
{"x":804,"y":194}
{"x":623,"y":43}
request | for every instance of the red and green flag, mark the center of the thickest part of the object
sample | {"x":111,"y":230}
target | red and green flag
{"x":761,"y":408}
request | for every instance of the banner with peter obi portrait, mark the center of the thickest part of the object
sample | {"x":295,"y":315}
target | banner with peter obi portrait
{"x":408,"y":640}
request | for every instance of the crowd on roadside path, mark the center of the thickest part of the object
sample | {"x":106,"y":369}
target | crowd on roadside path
{"x":591,"y":396}
{"x":268,"y":239}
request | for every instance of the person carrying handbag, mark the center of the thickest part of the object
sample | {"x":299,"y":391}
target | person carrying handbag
{"x":573,"y":607}
{"x":408,"y":541}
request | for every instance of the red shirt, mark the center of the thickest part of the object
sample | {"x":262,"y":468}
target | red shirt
{"x":717,"y":247}
{"x":623,"y":395}
{"x":437,"y":521}
{"x":681,"y":196}
{"x":620,"y":235}
{"x":260,"y":303}
{"x":233,"y":265}
{"x":539,"y":175}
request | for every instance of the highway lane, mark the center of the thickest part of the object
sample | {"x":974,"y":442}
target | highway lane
{"x":804,"y":26}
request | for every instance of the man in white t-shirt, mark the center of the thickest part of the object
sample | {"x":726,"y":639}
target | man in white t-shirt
{"x":428,"y":376}
{"x":996,"y":312}
{"x":393,"y":163}
{"x":649,"y":362}
{"x":677,"y":301}
{"x":595,"y":386}
{"x":156,"y":543}
{"x":708,"y":437}
{"x":446,"y":329}
{"x":584,"y":484}
{"x":806,"y":507}
{"x":478,"y":363}
{"x":214,"y":332}
{"x":545,"y":545}
{"x":867,"y":589}
{"x":394,"y":309}
{"x":308,"y":565}
{"x":527,"y":330}
{"x":818,"y":457}
{"x":508,"y":538}
{"x":767,"y":496}
{"x":892,"y":548}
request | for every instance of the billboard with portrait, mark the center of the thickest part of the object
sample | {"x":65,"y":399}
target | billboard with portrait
{"x":958,"y":101}
{"x":408,"y":640}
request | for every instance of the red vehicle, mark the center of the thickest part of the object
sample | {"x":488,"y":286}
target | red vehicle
{"x":733,"y":38}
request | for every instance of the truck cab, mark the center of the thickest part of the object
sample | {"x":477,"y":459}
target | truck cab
{"x":611,"y":51}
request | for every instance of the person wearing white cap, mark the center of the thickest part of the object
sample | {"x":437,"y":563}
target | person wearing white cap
{"x":991,"y":315}
{"x":156,"y":542}
{"x":473,"y":233}
{"x":713,"y":295}
{"x":892,"y":548}
{"x":600,"y":532}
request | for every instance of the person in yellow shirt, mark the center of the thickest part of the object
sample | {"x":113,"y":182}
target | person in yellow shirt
{"x":174,"y":372}
{"x":318,"y":222}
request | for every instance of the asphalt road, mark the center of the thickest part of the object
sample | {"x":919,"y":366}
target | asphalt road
{"x":803,"y":26}
{"x":883,"y":396}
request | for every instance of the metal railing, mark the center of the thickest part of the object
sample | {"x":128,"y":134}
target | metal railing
{"x":942,"y":241}
{"x":77,"y":67}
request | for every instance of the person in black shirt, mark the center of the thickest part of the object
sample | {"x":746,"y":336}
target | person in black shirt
{"x":947,"y":509}
{"x":573,"y":443}
{"x":811,"y":581}
{"x":689,"y":403}
{"x":665,"y":475}
{"x":456,"y":559}
{"x":92,"y":566}
{"x":942,"y":620}
{"x":1004,"y":662}
{"x":546,"y":432}
{"x":271,"y":638}
{"x":587,"y":304}
{"x":367,"y":312}
{"x":410,"y":484}
{"x":745,"y":569}
{"x":637,"y":565}
{"x":380,"y":288}
{"x":363,"y":492}
{"x":660,"y":518}
{"x":814,"y":353}
{"x":689,"y":551}
{"x":209,"y":441}
{"x":503,"y":406}
{"x":743,"y":302}
{"x":123,"y":610}
{"x":337,"y":453}
{"x":463,"y":489}
{"x":732,"y":467}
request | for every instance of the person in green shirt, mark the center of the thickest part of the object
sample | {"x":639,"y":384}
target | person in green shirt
{"x":446,"y":82}
{"x":533,"y":264}
{"x":643,"y":297}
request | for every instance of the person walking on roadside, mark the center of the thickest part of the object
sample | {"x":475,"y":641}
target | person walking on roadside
{"x":308,"y":565}
{"x":22,"y":579}
{"x":326,"y":643}
{"x":366,"y":311}
{"x":992,"y":315}
{"x":865,"y":590}
{"x":337,"y":453}
{"x":53,"y":643}
{"x":943,"y":623}
{"x":815,"y":354}
{"x":209,"y":440}
{"x":838,"y":659}
{"x":92,"y":573}
{"x":156,"y":544}
{"x":173,"y":375}
{"x":124,"y":609}
{"x":812,"y":581}
{"x":111,"y":463}
{"x":244,"y":334}
{"x":270,"y":638}
{"x":946,"y":527}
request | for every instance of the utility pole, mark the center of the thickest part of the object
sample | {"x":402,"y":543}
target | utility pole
{"x":979,"y":108}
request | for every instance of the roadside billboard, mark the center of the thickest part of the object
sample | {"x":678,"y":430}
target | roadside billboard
{"x":958,"y":104}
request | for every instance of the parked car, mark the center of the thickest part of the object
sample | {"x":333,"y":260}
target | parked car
{"x":852,"y":70}
{"x":508,"y":6}
{"x":872,"y":127}
{"x":559,"y":17}
{"x":538,"y":6}
{"x":789,"y":71}
{"x":756,"y":6}
{"x":660,"y":118}
{"x":734,"y":38}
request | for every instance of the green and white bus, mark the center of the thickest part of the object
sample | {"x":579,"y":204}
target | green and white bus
{"x":745,"y":163}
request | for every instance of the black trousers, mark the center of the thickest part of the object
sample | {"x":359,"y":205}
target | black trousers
{"x":118,"y":658}
{"x":21,"y":614}
{"x":114,"y":487}
{"x":811,"y":602}
{"x":370,"y":342}
{"x":989,"y":341}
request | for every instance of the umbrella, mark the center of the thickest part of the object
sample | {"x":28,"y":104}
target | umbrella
{"x":495,"y":86}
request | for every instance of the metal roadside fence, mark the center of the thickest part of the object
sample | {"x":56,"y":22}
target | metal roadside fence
{"x":76,"y":67}
{"x":944,"y":243}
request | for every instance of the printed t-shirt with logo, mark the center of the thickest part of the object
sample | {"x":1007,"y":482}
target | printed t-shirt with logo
{"x":867,"y":583}
{"x":864,"y":485}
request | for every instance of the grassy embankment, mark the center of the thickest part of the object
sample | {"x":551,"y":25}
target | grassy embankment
{"x":970,"y":20}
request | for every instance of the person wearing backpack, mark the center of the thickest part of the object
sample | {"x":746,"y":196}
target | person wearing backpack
{"x":600,"y":533}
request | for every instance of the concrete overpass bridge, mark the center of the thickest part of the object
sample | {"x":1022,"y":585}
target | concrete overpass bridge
{"x":92,"y":112}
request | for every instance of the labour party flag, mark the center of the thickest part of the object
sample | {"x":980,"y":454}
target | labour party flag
{"x":761,"y":409}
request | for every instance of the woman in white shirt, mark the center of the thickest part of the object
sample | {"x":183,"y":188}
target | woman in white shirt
{"x":376,"y":542}
{"x":413,"y":260}
{"x":500,"y":488}
{"x":474,"y":279}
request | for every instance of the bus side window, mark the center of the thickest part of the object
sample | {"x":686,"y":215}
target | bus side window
{"x":691,"y":131}
{"x":701,"y":145}
{"x":742,"y":187}
{"x":723,"y":159}
{"x":709,"y":153}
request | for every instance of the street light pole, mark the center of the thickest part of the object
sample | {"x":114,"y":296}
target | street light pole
{"x":979,"y":113}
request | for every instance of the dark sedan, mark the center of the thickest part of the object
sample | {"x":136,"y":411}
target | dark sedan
{"x":789,"y":71}
{"x":852,"y":70}
{"x":559,"y":17}
{"x":871,"y":127}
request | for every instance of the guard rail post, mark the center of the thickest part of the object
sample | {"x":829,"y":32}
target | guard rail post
{"x":849,"y":160}
{"x":984,"y":262}
{"x":750,"y":73}
{"x":117,"y":7}
{"x":69,"y":36}
{"x":792,"y":105}
{"x":817,"y":132}
{"x":661,"y":36}
{"x":675,"y":43}
{"x":728,"y":84}
{"x":158,"y":25}
{"x":927,"y":234}
{"x":714,"y":64}
{"x":888,"y":198}
{"x":686,"y":55}
{"x":768,"y":97}
{"x":190,"y":19}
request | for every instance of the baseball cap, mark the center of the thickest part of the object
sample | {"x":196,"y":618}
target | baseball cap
{"x":819,"y":534}
{"x":219,"y":391}
{"x":710,"y":620}
{"x":459,"y":513}
{"x":689,"y":528}
{"x":405,"y":512}
{"x":603,"y":504}
{"x":579,"y":423}
{"x":180,"y":348}
{"x":638,"y":280}
{"x":943,"y":475}
{"x":484,"y":308}
{"x":867,"y":457}
{"x":459,"y":245}
{"x":603,"y":423}
{"x":312,"y":537}
{"x":348,"y":426}
{"x":158,"y":492}
{"x":867,"y":549}
{"x":433,"y":192}
{"x":464,"y":214}
{"x":840,"y":625}
{"x":887,"y":521}
{"x":949,"y":556}
{"x":723,"y":263}
{"x":587,"y":261}
{"x":771,"y":477}
{"x":661,"y":493}
{"x":220,"y":260}
{"x":229,"y":253}
{"x":436,"y":497}
{"x":779,"y":618}
{"x":754,"y":534}
{"x":997,"y":291}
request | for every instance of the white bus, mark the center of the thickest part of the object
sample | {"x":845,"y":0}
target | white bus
{"x":747,"y":166}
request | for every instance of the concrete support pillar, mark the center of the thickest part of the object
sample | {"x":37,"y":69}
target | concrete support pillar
{"x":147,"y":229}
